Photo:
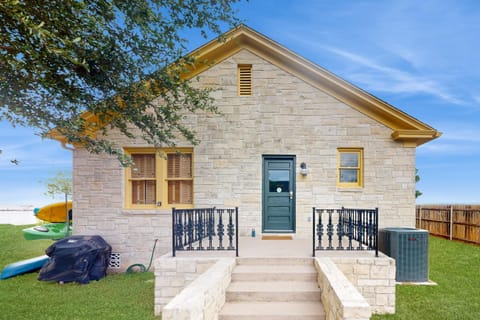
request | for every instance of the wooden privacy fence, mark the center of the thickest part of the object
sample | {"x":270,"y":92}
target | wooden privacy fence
{"x":456,"y":222}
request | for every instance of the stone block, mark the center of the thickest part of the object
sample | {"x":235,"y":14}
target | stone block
{"x":373,"y":282}
{"x":381,"y":300}
{"x":169,"y":291}
{"x":361,"y":269}
{"x":385,"y":290}
{"x":166,"y":264}
{"x":381,"y":272}
{"x":186,"y":266}
{"x":384,"y":261}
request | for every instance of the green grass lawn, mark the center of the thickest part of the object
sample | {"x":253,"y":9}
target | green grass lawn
{"x":455,"y":267}
{"x":24,"y":297}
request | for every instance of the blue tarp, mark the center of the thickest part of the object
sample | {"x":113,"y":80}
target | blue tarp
{"x":77,"y":258}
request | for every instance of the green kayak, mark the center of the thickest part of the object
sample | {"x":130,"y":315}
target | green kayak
{"x":52,"y":231}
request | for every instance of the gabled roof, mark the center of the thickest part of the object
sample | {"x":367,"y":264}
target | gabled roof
{"x":405,"y":128}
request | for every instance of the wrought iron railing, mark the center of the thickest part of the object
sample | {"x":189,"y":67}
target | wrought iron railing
{"x":205,"y":229}
{"x":345,"y":229}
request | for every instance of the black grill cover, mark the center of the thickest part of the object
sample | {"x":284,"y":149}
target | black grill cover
{"x":76,"y":258}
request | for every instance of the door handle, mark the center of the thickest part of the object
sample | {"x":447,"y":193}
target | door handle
{"x":291,"y":195}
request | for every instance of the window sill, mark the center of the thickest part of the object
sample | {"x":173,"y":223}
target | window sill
{"x":151,"y":212}
{"x":350,"y":189}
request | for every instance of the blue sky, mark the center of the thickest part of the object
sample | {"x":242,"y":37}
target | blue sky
{"x":420,"y":56}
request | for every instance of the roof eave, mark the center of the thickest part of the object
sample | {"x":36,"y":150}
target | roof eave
{"x":415,"y":138}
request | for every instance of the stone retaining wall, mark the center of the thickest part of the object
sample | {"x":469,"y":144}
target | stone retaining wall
{"x":203,"y":298}
{"x":340,"y":299}
{"x":374,"y":278}
{"x":172,"y":275}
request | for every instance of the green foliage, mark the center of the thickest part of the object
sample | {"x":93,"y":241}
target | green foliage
{"x":24,"y":297}
{"x":61,"y":184}
{"x":417,"y":178}
{"x":60,"y":58}
{"x":454,"y":267}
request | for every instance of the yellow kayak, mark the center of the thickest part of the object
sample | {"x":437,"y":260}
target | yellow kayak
{"x":54,"y":212}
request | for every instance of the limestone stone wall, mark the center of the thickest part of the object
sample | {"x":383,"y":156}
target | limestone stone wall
{"x":374,"y":278}
{"x":173,"y":274}
{"x":98,"y":209}
{"x":201,"y":298}
{"x":284,"y":116}
{"x":340,"y":298}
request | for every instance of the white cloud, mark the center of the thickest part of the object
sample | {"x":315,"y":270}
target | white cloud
{"x":452,"y":150}
{"x":457,"y":139}
{"x":448,"y":149}
{"x":30,"y":150}
{"x":374,"y":76}
{"x":404,"y":47}
{"x":476,"y":98}
{"x":34,"y":153}
{"x":455,"y":130}
{"x":464,"y":135}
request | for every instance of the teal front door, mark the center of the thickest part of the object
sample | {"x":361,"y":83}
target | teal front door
{"x":278,"y":194}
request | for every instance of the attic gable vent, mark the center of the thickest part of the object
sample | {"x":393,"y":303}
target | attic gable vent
{"x":244,"y":79}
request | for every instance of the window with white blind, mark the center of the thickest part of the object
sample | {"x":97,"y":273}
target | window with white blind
{"x":159,"y":178}
{"x":350,"y":167}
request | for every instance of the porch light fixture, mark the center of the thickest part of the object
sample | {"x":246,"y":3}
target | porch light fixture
{"x":303,"y":169}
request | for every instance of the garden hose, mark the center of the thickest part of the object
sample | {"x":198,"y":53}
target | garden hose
{"x":140,"y":268}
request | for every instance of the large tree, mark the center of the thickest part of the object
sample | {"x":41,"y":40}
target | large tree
{"x":109,"y":58}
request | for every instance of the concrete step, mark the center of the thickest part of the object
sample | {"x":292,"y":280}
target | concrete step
{"x":256,"y":291}
{"x":251,"y":272}
{"x":272,"y":311}
{"x":275,"y":261}
{"x":266,"y":288}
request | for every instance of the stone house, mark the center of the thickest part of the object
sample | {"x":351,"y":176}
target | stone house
{"x":291,"y":136}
